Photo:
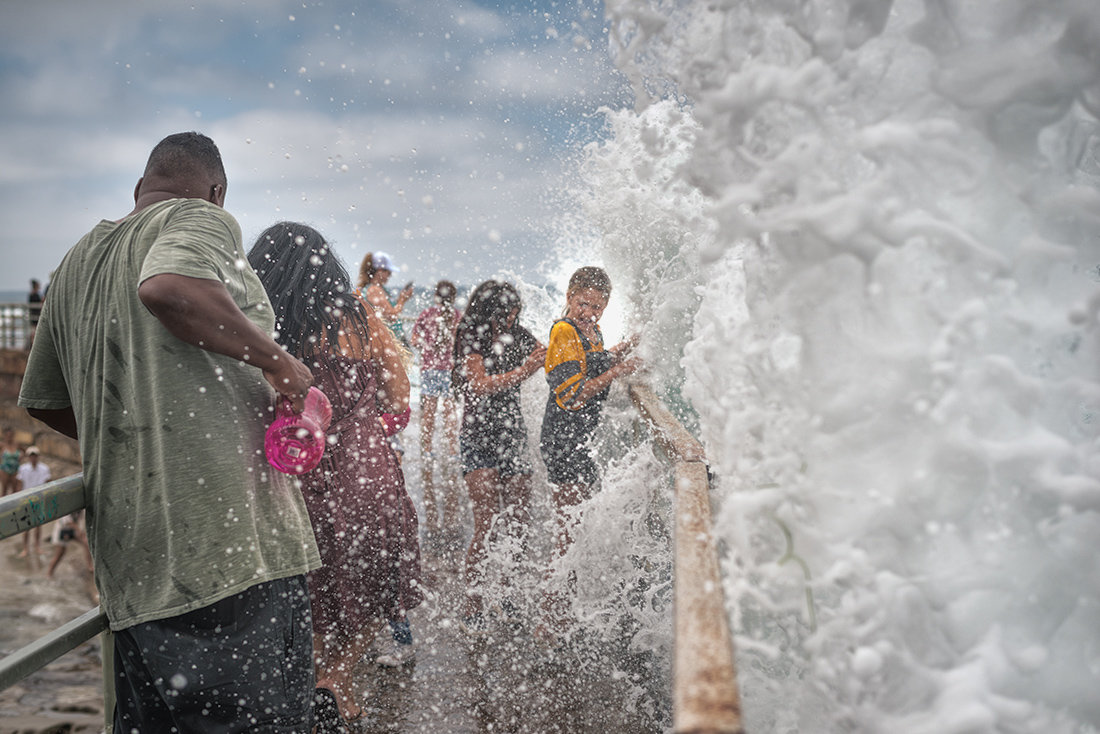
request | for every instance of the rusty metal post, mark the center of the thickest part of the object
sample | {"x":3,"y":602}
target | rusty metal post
{"x":706,"y":699}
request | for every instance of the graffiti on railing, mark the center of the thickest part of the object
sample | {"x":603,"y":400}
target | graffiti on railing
{"x":37,"y":510}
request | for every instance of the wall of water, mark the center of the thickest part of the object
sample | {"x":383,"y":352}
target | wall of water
{"x":861,"y":237}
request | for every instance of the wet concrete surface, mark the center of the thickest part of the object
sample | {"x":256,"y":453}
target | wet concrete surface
{"x":501,"y":680}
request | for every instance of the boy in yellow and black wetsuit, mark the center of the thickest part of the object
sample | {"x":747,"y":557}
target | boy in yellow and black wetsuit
{"x":579,"y":371}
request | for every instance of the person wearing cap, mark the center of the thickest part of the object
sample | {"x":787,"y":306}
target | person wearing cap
{"x":32,"y":473}
{"x":374,"y":273}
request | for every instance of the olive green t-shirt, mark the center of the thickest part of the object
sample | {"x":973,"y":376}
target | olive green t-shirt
{"x":183,"y":508}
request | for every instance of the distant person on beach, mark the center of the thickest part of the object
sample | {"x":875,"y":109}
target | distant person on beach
{"x":493,"y":356}
{"x":34,"y":301}
{"x":434,"y":335}
{"x":10,"y":456}
{"x":154,"y":350}
{"x":32,"y":473}
{"x":374,"y":272}
{"x":363,"y":517}
{"x":34,"y":308}
{"x":69,"y":529}
{"x":579,"y":371}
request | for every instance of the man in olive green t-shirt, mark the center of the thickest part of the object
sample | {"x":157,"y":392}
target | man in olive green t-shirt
{"x":154,"y":350}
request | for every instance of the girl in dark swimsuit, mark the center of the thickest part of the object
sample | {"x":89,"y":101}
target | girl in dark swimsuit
{"x":493,"y":355}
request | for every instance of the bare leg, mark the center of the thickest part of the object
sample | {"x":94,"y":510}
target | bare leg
{"x":427,"y":426}
{"x":336,"y":656}
{"x":451,"y":510}
{"x":450,"y":425}
{"x":37,"y":532}
{"x":57,"y":556}
{"x":516,"y":515}
{"x":427,"y":422}
{"x":565,"y":496}
{"x":516,"y":499}
{"x":555,"y":601}
{"x":484,"y":488}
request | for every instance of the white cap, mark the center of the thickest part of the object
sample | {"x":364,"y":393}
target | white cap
{"x":32,"y":450}
{"x":382,"y":261}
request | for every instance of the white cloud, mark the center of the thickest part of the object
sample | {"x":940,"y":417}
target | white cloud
{"x":424,"y":186}
{"x":433,"y":129}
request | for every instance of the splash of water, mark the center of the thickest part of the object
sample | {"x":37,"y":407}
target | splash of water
{"x":862,"y":237}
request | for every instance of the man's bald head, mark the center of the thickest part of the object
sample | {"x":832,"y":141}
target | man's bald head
{"x":186,"y":155}
{"x":183,"y":165}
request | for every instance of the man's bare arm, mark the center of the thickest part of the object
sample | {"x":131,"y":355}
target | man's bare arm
{"x":202,"y":313}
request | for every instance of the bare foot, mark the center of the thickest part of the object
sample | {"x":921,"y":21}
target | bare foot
{"x":349,"y":709}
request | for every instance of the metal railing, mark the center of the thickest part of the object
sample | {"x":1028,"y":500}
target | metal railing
{"x":706,"y":698}
{"x":15,"y":325}
{"x":20,"y":512}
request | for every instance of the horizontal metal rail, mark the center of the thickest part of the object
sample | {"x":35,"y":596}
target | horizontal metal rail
{"x":706,"y":698}
{"x":36,"y":506}
{"x":43,"y":651}
{"x":20,"y":512}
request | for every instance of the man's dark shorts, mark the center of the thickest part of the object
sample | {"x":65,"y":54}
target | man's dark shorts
{"x":244,"y":663}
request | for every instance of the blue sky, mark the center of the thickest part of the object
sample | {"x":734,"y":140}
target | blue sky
{"x":441,"y":132}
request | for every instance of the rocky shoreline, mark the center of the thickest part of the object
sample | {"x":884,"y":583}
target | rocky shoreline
{"x":66,"y":695}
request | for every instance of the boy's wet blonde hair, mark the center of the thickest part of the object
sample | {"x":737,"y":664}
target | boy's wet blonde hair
{"x":590,"y":276}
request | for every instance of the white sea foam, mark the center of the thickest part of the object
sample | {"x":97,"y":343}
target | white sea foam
{"x":862,"y":236}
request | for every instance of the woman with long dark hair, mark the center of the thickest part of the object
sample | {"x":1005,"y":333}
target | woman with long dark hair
{"x":493,"y":355}
{"x":362,"y":515}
